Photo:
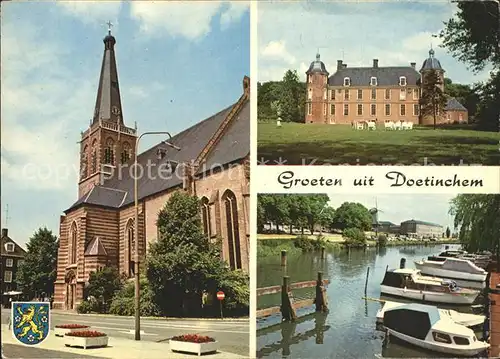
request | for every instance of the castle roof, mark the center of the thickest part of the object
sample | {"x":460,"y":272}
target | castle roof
{"x":431,"y":63}
{"x":317,"y":66}
{"x":386,"y":76}
{"x":454,"y":105}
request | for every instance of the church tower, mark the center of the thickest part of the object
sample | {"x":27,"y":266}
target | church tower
{"x":107,"y":143}
{"x":317,"y":92}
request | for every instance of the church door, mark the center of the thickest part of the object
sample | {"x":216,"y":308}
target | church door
{"x":70,"y":291}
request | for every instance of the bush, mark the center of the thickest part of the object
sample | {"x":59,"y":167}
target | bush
{"x":304,"y":243}
{"x":382,"y":240}
{"x":123,"y":302}
{"x":102,"y":286}
{"x":87,"y":307}
{"x":354,"y":237}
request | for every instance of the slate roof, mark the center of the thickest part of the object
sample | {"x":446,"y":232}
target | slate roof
{"x":422,"y":222}
{"x":454,"y":105}
{"x":18,"y":250}
{"x":317,"y":66}
{"x":386,"y":76}
{"x":96,"y":248}
{"x":386,"y":223}
{"x":431,"y":63}
{"x":118,"y":191}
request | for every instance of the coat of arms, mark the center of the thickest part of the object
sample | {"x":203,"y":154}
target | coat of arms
{"x":31,"y":322}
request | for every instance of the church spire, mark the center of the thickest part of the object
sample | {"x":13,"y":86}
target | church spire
{"x":108,"y":104}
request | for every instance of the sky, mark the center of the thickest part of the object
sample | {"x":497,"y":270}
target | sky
{"x":177,"y":64}
{"x":402,"y":207}
{"x":396,"y":33}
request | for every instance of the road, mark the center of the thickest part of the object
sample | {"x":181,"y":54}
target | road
{"x":233,"y":335}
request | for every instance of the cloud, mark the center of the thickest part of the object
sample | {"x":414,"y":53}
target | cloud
{"x":92,"y":11}
{"x":277,"y":50}
{"x":233,"y":13}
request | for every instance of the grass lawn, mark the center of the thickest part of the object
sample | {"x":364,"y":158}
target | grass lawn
{"x":299,"y":143}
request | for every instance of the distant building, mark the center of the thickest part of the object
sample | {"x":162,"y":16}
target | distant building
{"x":388,"y":93}
{"x":12,"y":258}
{"x":421,"y":228}
{"x":387,"y":227}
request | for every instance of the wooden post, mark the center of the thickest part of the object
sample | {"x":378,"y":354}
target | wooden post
{"x":323,"y":252}
{"x":402,"y":263}
{"x":287,"y":310}
{"x":283,"y":258}
{"x":320,"y":300}
{"x":386,"y":268}
{"x":367,"y":275}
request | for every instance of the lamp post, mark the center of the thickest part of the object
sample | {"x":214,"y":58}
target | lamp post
{"x":136,"y":231}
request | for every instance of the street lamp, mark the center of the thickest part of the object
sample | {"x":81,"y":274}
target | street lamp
{"x":136,"y":231}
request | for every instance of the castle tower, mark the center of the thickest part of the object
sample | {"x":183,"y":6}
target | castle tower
{"x":317,"y":92}
{"x":107,"y":142}
{"x":431,"y":63}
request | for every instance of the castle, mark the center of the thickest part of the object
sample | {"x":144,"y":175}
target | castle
{"x":210,"y":160}
{"x":367,"y":93}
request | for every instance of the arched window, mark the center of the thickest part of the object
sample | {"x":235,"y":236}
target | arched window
{"x":233,"y":234}
{"x":109,"y":152}
{"x":125,"y":156}
{"x":205,"y":216}
{"x":94,"y":157}
{"x":129,"y":235}
{"x":73,"y":236}
{"x":84,"y":169}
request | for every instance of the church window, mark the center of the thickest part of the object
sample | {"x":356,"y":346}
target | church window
{"x":332,"y":109}
{"x":387,"y":94}
{"x":387,"y":109}
{"x":402,"y":94}
{"x":233,"y":235}
{"x":109,"y":152}
{"x":205,"y":214}
{"x":94,"y":157}
{"x":346,"y":94}
{"x":347,"y":81}
{"x":373,"y":81}
{"x":129,"y":235}
{"x":374,"y":94}
{"x":346,"y":110}
{"x":74,"y":243}
{"x":403,"y":110}
{"x":125,"y":156}
{"x":360,"y":94}
{"x":310,"y":94}
{"x":84,"y":165}
{"x":373,"y":109}
{"x":332,"y":94}
{"x":309,"y":108}
{"x":360,"y":109}
{"x":402,"y":81}
{"x":415,"y":110}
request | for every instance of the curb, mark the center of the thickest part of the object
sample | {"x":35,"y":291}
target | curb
{"x":243,"y":320}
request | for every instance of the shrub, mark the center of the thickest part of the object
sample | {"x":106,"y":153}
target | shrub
{"x":86,"y":334}
{"x":193,"y":338}
{"x":304,"y":243}
{"x":72,"y":326}
{"x":382,"y":240}
{"x":354,"y":237}
{"x":123,"y":302}
{"x":87,"y":307}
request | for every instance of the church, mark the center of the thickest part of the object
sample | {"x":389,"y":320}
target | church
{"x":209,"y":160}
{"x":382,"y":93}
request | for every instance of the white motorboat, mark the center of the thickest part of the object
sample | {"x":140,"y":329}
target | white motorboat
{"x":425,"y":327}
{"x":453,"y":268}
{"x":467,"y":319}
{"x":481,"y":260}
{"x":410,"y":283}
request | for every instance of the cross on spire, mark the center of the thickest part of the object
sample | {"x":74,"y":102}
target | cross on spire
{"x":110,"y":24}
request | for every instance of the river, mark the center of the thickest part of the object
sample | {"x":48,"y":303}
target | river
{"x":349,"y":329}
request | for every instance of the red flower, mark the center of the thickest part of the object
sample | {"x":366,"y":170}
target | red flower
{"x":72,"y":326}
{"x":193,"y":338}
{"x":86,"y":334}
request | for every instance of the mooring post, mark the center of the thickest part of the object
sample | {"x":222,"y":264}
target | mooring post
{"x":287,"y":310}
{"x":320,"y":300}
{"x":323,"y":252}
{"x":386,"y":268}
{"x":283,"y":258}
{"x":367,"y":275}
{"x":402,"y":263}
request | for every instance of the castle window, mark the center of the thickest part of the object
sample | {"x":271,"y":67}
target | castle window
{"x":347,"y":81}
{"x":402,"y":81}
{"x":74,"y":243}
{"x":233,"y":234}
{"x":402,"y":111}
{"x":415,"y":94}
{"x":205,"y":214}
{"x":346,"y":94}
{"x":109,"y":153}
{"x":402,"y":94}
{"x":125,"y":156}
{"x":325,"y":94}
{"x":310,"y":94}
{"x":387,"y":109}
{"x":324,"y":109}
{"x":332,"y":94}
{"x":373,"y":81}
{"x":332,"y":109}
{"x":374,"y":94}
{"x":309,"y":108}
{"x":129,"y":233}
{"x":360,"y":109}
{"x":360,"y":94}
{"x":346,"y":110}
{"x":373,"y":109}
{"x":387,"y":94}
{"x":309,"y":79}
{"x":415,"y":110}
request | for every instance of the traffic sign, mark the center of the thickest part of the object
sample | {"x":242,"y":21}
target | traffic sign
{"x":220,"y":295}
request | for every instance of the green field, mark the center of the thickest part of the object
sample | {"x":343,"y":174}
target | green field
{"x":299,"y":143}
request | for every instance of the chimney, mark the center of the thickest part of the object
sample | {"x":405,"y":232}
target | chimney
{"x":344,"y":66}
{"x":5,"y":231}
{"x":375,"y":63}
{"x":339,"y":65}
{"x":413,"y":64}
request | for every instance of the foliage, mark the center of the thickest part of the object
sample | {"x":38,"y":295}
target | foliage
{"x":86,"y":334}
{"x":352,"y":215}
{"x":270,"y":247}
{"x":354,"y":237}
{"x":382,"y":240}
{"x":72,"y":326}
{"x":183,"y":264}
{"x":87,"y":306}
{"x":448,"y":232}
{"x":478,"y":218}
{"x":102,"y":285}
{"x":37,"y":273}
{"x":465,"y":94}
{"x":433,"y":100}
{"x":193,"y":338}
{"x":307,"y":245}
{"x":123,"y":302}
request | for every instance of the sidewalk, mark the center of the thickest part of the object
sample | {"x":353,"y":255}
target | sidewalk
{"x":118,"y":348}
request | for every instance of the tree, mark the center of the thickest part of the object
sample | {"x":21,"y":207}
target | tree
{"x":354,"y":237}
{"x":448,"y":232}
{"x":103,"y":285}
{"x":183,"y":264}
{"x":433,"y":100}
{"x":267,"y":100}
{"x":352,"y":215}
{"x":465,"y":94}
{"x":382,"y":240}
{"x":478,"y":218}
{"x":292,"y":97}
{"x":37,"y":274}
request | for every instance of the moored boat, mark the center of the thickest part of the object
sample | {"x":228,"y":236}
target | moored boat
{"x":410,"y":283}
{"x":453,"y":268}
{"x":425,"y":327}
{"x":481,"y":260}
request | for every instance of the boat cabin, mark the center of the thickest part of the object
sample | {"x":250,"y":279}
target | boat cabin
{"x":411,"y":279}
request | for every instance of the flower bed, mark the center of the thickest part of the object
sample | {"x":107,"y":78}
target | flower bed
{"x":86,"y":339}
{"x":61,"y":330}
{"x":193,"y":343}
